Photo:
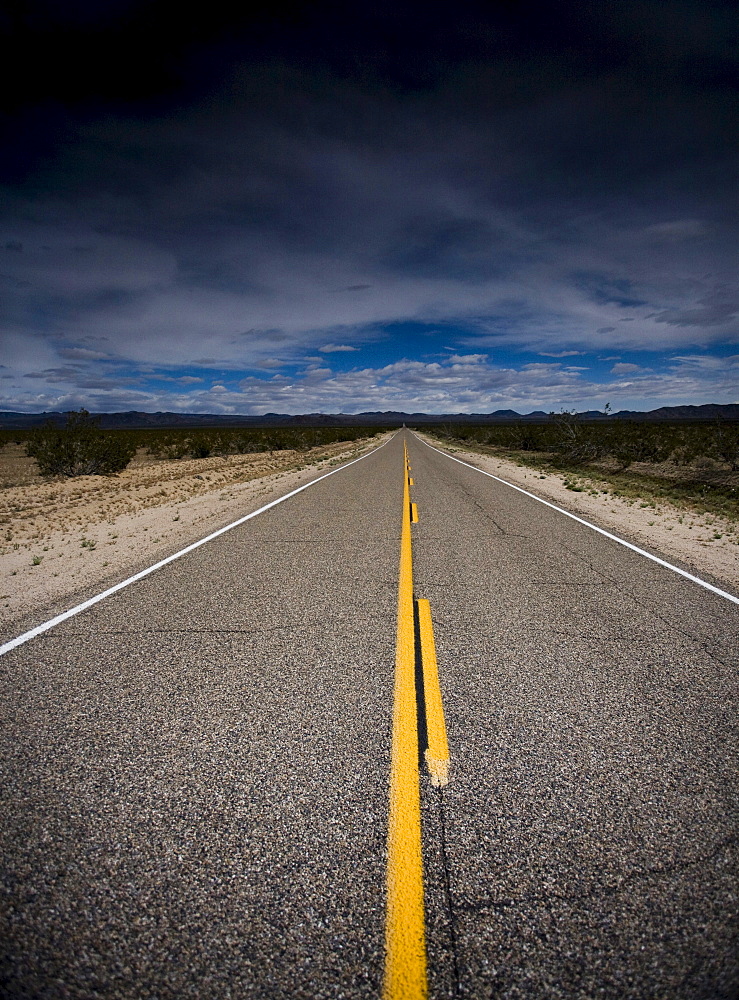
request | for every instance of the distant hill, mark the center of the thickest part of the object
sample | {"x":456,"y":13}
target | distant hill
{"x":386,"y":418}
{"x":709,"y":411}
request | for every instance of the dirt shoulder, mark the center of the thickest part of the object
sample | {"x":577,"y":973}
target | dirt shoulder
{"x":706,"y":545}
{"x":63,"y":539}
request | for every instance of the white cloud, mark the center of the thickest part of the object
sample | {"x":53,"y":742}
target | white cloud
{"x":468,"y":359}
{"x":412,"y":385}
{"x":708,"y":362}
{"x":270,"y":363}
{"x":678,"y":229}
{"x":334,"y":348}
{"x":559,"y":354}
{"x":81,"y":354}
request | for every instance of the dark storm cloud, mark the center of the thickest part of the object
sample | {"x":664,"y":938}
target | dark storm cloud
{"x":207,"y":189}
{"x":715,"y":308}
{"x":606,"y":290}
{"x":55,"y":374}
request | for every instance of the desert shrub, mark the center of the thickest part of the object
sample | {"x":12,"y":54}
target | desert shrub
{"x":687,"y":445}
{"x":203,"y":442}
{"x":201,"y":445}
{"x":639,"y":442}
{"x":576,"y":441}
{"x":569,"y":439}
{"x":724,"y":444}
{"x":79,"y":448}
{"x":220,"y":440}
{"x":169,"y":445}
{"x":526,"y":437}
{"x":278,"y":440}
{"x":15,"y":434}
{"x":246,"y":442}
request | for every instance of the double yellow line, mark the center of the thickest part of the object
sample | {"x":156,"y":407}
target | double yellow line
{"x":405,"y":936}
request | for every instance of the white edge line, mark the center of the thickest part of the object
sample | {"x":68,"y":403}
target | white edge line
{"x":601,"y":531}
{"x":40,"y":629}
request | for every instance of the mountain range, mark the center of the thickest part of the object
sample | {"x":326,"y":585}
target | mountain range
{"x":387,"y":418}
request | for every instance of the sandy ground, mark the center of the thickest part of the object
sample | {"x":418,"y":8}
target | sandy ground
{"x":62,"y":539}
{"x":702,"y":544}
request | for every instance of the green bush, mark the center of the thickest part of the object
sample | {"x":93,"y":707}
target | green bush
{"x":79,"y":448}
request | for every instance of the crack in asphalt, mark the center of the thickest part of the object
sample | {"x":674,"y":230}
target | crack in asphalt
{"x":587,"y":561}
{"x":702,"y":644}
{"x":602,"y":891}
{"x":485,"y":513}
{"x":453,"y":945}
{"x":532,"y":629}
{"x":184,"y":631}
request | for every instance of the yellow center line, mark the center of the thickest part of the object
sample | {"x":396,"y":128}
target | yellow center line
{"x":414,"y":513}
{"x":405,"y":937}
{"x":437,"y":753}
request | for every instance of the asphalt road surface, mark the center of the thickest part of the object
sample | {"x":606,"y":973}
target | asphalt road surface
{"x":195,"y":770}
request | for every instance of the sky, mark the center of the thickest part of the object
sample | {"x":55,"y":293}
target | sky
{"x":332,"y":207}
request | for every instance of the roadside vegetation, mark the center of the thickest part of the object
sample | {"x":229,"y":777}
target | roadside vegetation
{"x":81,"y":448}
{"x":225,"y":441}
{"x":692,"y":465}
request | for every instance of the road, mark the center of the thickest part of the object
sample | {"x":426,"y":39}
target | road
{"x":195,"y":770}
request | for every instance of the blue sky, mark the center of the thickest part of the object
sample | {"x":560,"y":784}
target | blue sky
{"x":351,"y":212}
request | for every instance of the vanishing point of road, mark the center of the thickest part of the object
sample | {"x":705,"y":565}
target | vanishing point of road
{"x":219,"y":781}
